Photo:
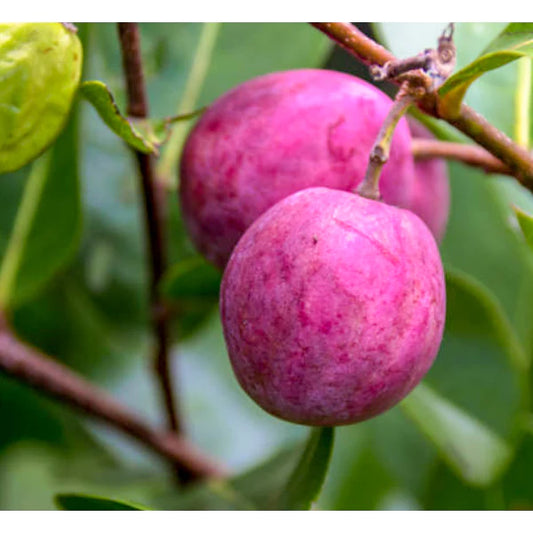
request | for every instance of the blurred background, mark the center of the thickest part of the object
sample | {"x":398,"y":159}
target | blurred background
{"x":462,"y":442}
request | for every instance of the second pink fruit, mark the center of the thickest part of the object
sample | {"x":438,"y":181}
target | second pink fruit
{"x":278,"y":134}
{"x":431,"y":200}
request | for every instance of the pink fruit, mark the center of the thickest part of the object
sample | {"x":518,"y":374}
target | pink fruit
{"x":333,"y":307}
{"x":431,"y":200}
{"x":278,"y":134}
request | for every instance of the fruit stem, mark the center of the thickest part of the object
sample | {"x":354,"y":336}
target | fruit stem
{"x":379,"y":155}
{"x":468,"y":121}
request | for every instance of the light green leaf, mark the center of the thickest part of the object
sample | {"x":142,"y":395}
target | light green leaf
{"x":308,"y":477}
{"x":47,"y":226}
{"x":84,"y":502}
{"x":471,"y":449}
{"x":143,"y":135}
{"x":514,"y":42}
{"x":525,"y":220}
{"x":103,"y":101}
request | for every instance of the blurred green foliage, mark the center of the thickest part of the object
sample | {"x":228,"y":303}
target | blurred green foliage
{"x":78,"y":290}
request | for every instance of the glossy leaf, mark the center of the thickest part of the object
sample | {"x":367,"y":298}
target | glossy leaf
{"x":476,"y":453}
{"x":84,"y":502}
{"x":47,"y":226}
{"x":307,"y":478}
{"x":514,"y":42}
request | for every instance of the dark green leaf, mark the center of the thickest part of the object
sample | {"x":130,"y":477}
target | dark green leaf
{"x":481,"y":242}
{"x":471,"y":449}
{"x":193,"y":284}
{"x":47,"y":226}
{"x":307,"y":478}
{"x":516,"y":483}
{"x":446,"y":492}
{"x":480,"y":347}
{"x":84,"y":502}
{"x":193,"y":278}
{"x":514,"y":42}
{"x":358,"y":477}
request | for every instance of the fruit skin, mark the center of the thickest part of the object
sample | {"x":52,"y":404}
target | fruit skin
{"x":333,"y":307}
{"x":278,"y":134}
{"x":40,"y":69}
{"x":431,"y":200}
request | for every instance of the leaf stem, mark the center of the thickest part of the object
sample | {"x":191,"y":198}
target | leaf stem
{"x":200,"y":65}
{"x":41,"y":372}
{"x":154,"y":219}
{"x":519,"y":161}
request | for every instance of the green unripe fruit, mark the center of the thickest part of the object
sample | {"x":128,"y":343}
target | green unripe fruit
{"x":40,"y":69}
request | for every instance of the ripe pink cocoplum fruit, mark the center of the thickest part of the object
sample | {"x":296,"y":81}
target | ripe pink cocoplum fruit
{"x":333,"y":307}
{"x":431,"y":200}
{"x":278,"y":134}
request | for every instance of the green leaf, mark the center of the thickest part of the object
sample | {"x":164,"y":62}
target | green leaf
{"x":481,"y":365}
{"x":258,"y":488}
{"x":468,"y":297}
{"x":47,"y":226}
{"x":84,"y":502}
{"x":408,"y":39}
{"x":291,"y":479}
{"x":473,"y":409}
{"x":470,"y":448}
{"x":101,"y":98}
{"x":143,"y":135}
{"x":263,"y":484}
{"x":525,"y":220}
{"x":192,"y":278}
{"x":193,"y":284}
{"x":514,"y":42}
{"x":307,"y":478}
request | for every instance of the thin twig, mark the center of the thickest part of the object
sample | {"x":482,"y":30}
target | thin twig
{"x":154,"y":218}
{"x":467,"y":153}
{"x":468,"y":121}
{"x":36,"y":369}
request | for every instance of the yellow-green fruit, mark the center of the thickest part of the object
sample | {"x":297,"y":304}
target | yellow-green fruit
{"x":40,"y":69}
